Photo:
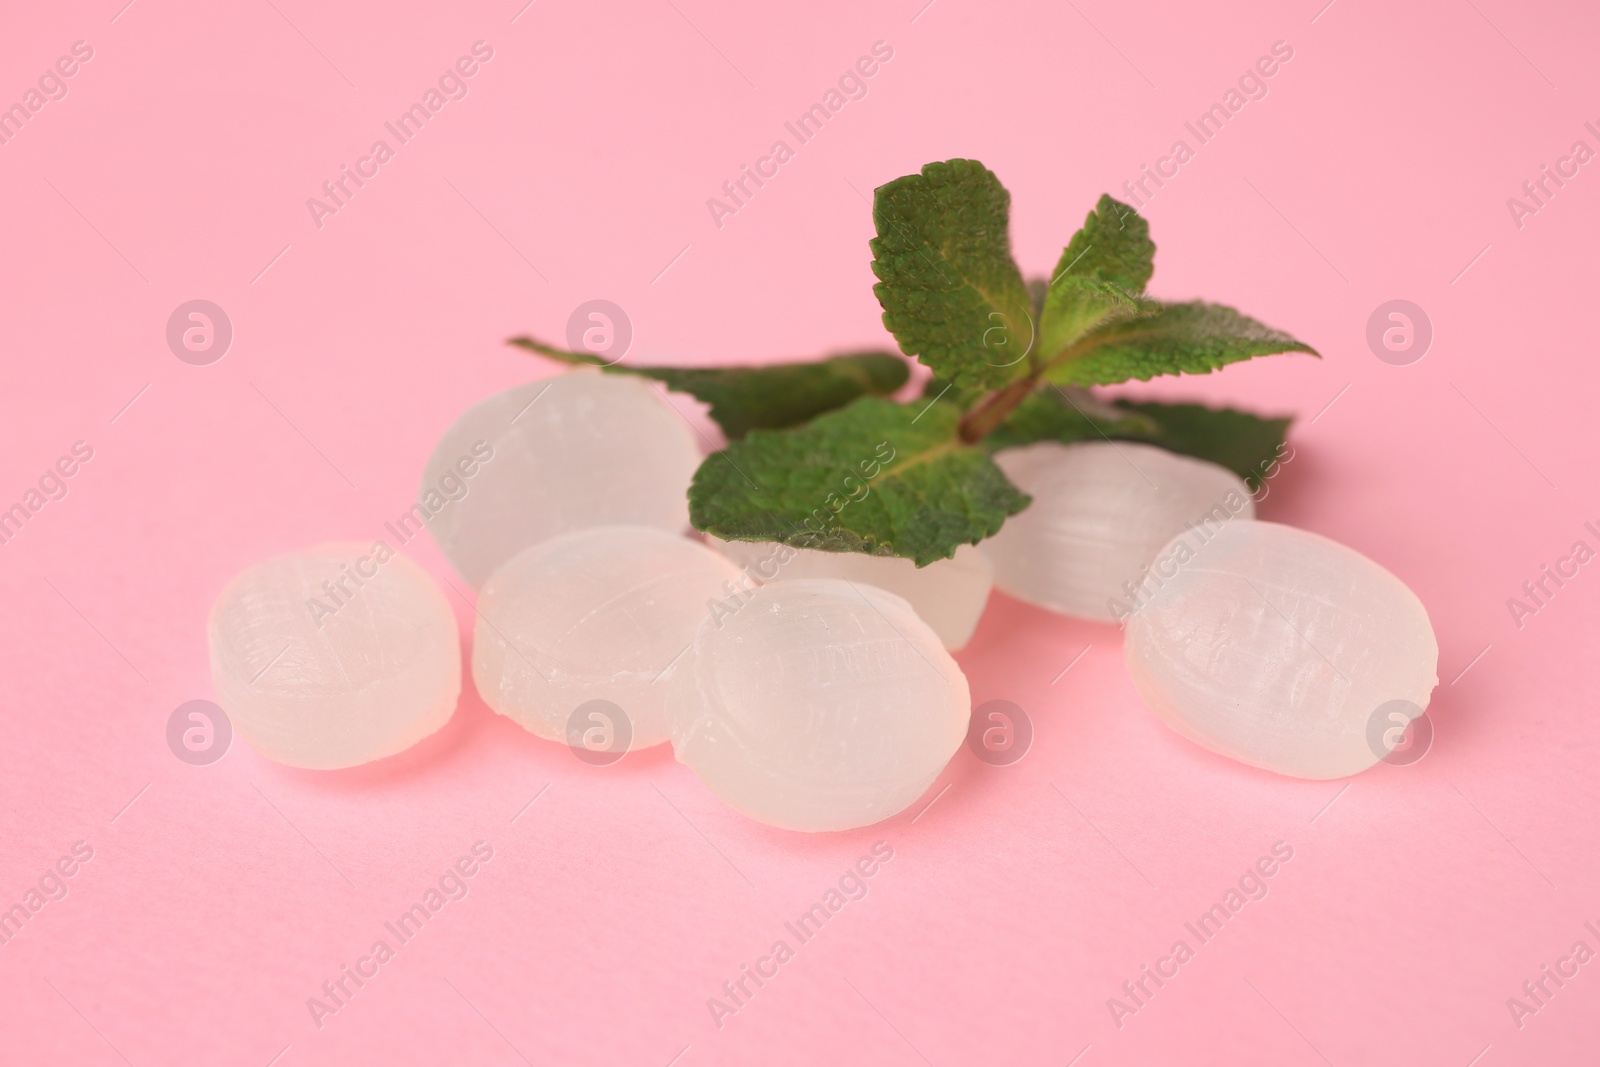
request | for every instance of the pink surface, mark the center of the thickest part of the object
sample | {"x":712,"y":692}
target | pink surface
{"x":219,"y":898}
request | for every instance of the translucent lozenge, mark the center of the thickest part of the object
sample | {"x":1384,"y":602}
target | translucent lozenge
{"x":1277,"y":647}
{"x":596,"y":614}
{"x":335,"y":656}
{"x":818,"y":705}
{"x":577,"y":450}
{"x":1101,"y":510}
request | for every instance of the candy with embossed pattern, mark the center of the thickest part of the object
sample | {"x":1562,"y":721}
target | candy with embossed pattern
{"x":335,"y":656}
{"x":818,"y":705}
{"x":1276,"y":646}
{"x":597,"y":614}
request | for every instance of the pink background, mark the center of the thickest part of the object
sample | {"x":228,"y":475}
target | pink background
{"x":1419,"y":898}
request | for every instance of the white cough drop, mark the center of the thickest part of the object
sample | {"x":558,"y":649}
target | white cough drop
{"x":598,"y":614}
{"x":577,"y":450}
{"x":335,"y":656}
{"x":1278,"y":647}
{"x":818,"y":705}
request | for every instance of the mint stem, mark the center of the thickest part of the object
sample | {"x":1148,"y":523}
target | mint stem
{"x":993,"y":409}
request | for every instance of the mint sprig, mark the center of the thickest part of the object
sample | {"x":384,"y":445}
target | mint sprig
{"x":820,"y":459}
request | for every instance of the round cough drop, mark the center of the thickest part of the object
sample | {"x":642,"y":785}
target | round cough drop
{"x":603,"y":614}
{"x":577,"y":450}
{"x":818,"y":705}
{"x":335,"y":656}
{"x":948,"y":595}
{"x":1278,"y":647}
{"x":1100,"y":513}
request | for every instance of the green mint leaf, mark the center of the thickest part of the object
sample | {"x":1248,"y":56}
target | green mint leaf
{"x":1050,"y":415}
{"x":950,"y":292}
{"x":773,"y":396}
{"x":1113,"y":246}
{"x":876,"y":477}
{"x":1244,"y":443}
{"x":1098,"y":280}
{"x":1191,"y":338}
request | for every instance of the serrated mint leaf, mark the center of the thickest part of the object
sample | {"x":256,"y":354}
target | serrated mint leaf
{"x":766,"y":397}
{"x":1113,"y":246}
{"x":1191,"y":338}
{"x":876,"y":477}
{"x":1099,"y":277}
{"x":1244,"y":443}
{"x":951,"y":294}
{"x":1048,"y":415}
